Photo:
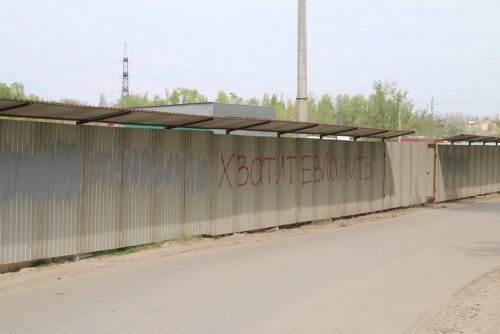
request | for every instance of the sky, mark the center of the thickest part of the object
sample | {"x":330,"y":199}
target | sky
{"x":449,"y":49}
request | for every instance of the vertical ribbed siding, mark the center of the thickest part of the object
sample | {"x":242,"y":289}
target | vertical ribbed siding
{"x":40,"y":178}
{"x":465,"y":171}
{"x":68,"y":190}
{"x":303,"y":190}
{"x":285,"y":195}
{"x":101,"y":226}
{"x":168,"y":187}
{"x":195,"y":178}
{"x":405,"y":174}
{"x":137,"y":185}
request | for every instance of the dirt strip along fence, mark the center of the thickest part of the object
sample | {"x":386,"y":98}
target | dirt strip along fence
{"x":67,"y":190}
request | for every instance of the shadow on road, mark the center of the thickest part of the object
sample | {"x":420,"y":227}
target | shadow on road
{"x":479,"y":207}
{"x":482,"y":249}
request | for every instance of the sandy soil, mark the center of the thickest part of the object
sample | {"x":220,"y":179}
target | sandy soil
{"x":475,"y":309}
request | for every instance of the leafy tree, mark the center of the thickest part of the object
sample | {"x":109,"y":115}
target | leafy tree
{"x":381,"y":109}
{"x":71,"y":101}
{"x":352,"y":111}
{"x":285,"y":109}
{"x":178,"y":96}
{"x":320,"y":111}
{"x":289,"y":111}
{"x":174,"y":98}
{"x":222,"y":97}
{"x":186,"y":95}
{"x":266,"y":101}
{"x":14,"y":91}
{"x":235,"y":99}
{"x":312,"y":108}
{"x":386,"y":103}
{"x":133,"y":100}
{"x":423,"y":122}
{"x":33,"y":97}
{"x":452,"y":124}
{"x":102,"y":100}
{"x":158,"y":101}
{"x":253,"y":101}
{"x":345,"y":114}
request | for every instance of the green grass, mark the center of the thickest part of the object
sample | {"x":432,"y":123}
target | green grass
{"x":44,"y":265}
{"x":187,"y":237}
{"x":135,"y":249}
{"x":124,"y":250}
{"x":130,"y":250}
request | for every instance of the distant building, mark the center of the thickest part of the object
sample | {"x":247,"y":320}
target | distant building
{"x":485,"y":126}
{"x":222,"y":110}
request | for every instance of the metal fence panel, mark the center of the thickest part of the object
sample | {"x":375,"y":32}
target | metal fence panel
{"x":40,"y":181}
{"x":68,"y":190}
{"x":465,"y":171}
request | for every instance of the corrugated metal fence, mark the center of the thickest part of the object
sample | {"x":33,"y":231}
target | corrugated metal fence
{"x":67,"y":190}
{"x":465,"y":171}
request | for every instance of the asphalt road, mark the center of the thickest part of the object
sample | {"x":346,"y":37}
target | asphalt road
{"x":377,"y":277}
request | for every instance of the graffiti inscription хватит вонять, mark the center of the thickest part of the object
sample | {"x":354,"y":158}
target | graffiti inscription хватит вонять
{"x":238,"y":170}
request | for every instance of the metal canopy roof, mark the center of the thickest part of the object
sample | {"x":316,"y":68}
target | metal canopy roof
{"x":473,"y":139}
{"x":86,"y":114}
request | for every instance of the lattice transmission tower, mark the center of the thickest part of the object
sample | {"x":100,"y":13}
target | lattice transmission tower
{"x":125,"y":73}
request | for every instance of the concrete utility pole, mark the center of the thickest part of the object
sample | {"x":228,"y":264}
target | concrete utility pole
{"x":302,"y":63}
{"x":399,"y":117}
{"x":399,"y":114}
{"x":432,"y":116}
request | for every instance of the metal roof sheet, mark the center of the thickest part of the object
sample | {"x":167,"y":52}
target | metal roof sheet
{"x":82,"y":114}
{"x":472,"y":139}
{"x":362,"y":132}
{"x":232,"y":124}
{"x":155,"y":119}
{"x":392,"y":134}
{"x":327,"y":130}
